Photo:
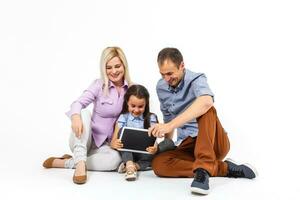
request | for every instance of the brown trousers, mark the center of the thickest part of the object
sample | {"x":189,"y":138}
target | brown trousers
{"x":205,"y":151}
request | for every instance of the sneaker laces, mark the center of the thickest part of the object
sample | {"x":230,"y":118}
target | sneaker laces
{"x":130,"y":169}
{"x":200,"y":175}
{"x":236,"y":172}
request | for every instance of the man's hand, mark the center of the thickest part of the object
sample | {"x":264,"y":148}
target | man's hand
{"x":159,"y":130}
{"x":116,"y":144}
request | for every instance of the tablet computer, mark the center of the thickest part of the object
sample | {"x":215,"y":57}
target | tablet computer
{"x":135,"y":140}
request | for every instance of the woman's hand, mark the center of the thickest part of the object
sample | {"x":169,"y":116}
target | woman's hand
{"x":77,"y":125}
{"x":152,"y":149}
{"x":116,"y":144}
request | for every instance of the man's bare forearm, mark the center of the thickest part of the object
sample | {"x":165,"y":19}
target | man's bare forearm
{"x":199,"y":107}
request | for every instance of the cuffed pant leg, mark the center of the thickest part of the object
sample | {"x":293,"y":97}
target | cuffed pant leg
{"x":80,"y":146}
{"x":212,"y":145}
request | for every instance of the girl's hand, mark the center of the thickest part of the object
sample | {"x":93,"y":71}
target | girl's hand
{"x":116,"y":144}
{"x":152,"y":149}
{"x":77,"y":125}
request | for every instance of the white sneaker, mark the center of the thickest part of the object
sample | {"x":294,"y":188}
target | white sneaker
{"x":121,"y":168}
{"x":131,"y":175}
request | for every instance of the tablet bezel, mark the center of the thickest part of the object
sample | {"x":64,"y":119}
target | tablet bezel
{"x":132,"y":150}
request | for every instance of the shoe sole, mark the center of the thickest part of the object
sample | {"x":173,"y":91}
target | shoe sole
{"x":79,"y":182}
{"x":199,"y":191}
{"x":246,"y":164}
{"x":130,"y":179}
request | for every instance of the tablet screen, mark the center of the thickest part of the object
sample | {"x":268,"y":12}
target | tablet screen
{"x":136,"y":140}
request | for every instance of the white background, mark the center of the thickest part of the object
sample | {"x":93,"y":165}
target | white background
{"x":50,"y":52}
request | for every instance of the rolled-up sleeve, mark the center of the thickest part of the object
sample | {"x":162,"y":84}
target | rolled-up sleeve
{"x":88,"y":96}
{"x":153,"y":119}
{"x":121,"y":121}
{"x":200,"y":87}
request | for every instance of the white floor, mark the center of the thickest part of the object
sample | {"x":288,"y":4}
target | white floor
{"x":50,"y":52}
{"x":32,"y":181}
{"x":57,"y":183}
{"x":22,"y":174}
{"x":23,"y":148}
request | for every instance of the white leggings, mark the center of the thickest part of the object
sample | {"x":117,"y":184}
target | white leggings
{"x":103,"y":158}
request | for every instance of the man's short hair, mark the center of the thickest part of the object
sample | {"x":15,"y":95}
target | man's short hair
{"x":168,"y":53}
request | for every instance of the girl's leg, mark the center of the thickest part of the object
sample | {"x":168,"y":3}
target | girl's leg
{"x":143,"y":161}
{"x":130,"y":166}
{"x":126,"y":156}
{"x":131,"y":171}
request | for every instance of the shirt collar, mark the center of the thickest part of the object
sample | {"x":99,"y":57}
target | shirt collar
{"x":111,"y":84}
{"x":131,"y":117}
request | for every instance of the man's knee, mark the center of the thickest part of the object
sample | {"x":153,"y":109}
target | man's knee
{"x":212,"y":113}
{"x":159,"y":164}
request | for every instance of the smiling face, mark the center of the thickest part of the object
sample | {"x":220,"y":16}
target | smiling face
{"x":115,"y":71}
{"x":171,"y":73}
{"x":136,"y":106}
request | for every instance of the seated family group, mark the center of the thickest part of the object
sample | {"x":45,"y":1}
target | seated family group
{"x":186,"y":103}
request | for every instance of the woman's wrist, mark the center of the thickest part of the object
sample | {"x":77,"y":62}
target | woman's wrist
{"x":75,"y":116}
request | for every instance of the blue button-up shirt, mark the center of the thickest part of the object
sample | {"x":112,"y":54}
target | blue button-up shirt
{"x":174,"y":101}
{"x":134,"y":122}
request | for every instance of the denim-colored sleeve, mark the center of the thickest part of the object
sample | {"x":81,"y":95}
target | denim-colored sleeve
{"x":88,"y":96}
{"x":153,"y":119}
{"x":200,"y":87}
{"x":122,"y":121}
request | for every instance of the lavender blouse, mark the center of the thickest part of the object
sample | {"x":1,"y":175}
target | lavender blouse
{"x":106,"y":109}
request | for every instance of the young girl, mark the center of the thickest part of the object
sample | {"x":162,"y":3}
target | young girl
{"x":135,"y":114}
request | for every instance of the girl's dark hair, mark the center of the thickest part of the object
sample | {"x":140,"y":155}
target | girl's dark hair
{"x":140,"y":92}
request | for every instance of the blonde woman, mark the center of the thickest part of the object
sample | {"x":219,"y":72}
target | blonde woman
{"x":92,"y":133}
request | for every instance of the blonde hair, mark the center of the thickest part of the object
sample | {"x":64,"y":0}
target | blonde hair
{"x":108,"y":54}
